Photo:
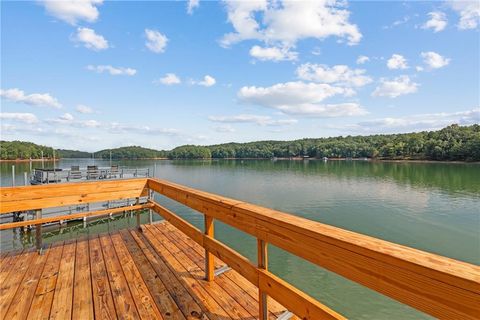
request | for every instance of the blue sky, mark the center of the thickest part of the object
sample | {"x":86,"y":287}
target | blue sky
{"x":99,"y":74}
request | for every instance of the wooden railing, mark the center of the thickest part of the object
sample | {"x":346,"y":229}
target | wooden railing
{"x":439,"y":286}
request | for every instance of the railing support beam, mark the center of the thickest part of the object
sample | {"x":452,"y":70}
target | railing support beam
{"x":262,"y":260}
{"x":38,"y":231}
{"x":209,"y":258}
{"x":137,"y":213}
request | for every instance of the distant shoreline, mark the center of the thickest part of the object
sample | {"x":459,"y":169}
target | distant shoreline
{"x":28,"y":160}
{"x":282,"y":159}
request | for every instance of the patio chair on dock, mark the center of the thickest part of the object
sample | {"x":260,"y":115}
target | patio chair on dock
{"x":114,"y":171}
{"x":93,"y":173}
{"x":74,"y":173}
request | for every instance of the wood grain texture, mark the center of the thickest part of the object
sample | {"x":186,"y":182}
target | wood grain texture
{"x":55,"y":195}
{"x":63,"y":296}
{"x":96,"y":213}
{"x":101,"y":293}
{"x":437,"y":285}
{"x":82,"y":286}
{"x":43,"y":298}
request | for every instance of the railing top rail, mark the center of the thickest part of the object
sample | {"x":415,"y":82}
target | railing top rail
{"x":384,"y":249}
{"x":55,"y":195}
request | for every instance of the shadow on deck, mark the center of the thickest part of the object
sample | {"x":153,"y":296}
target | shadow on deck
{"x":154,"y":274}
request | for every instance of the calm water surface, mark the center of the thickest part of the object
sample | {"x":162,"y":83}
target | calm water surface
{"x":429,"y":206}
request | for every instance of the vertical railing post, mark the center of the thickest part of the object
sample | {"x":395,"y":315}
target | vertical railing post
{"x":38,"y":230}
{"x":150,"y":211}
{"x":13,"y":175}
{"x":262,"y":264}
{"x":137,"y":213}
{"x":209,"y":258}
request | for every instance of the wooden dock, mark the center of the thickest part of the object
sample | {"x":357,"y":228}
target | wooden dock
{"x":154,"y":274}
{"x":169,"y":270}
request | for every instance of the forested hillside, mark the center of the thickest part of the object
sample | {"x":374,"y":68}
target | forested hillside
{"x":133,"y":152}
{"x":11,"y":150}
{"x":63,"y":153}
{"x":453,"y":143}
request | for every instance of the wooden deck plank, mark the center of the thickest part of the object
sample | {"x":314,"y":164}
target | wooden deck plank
{"x":179,"y":293}
{"x":101,"y":293}
{"x":238,"y":294}
{"x":141,"y":296}
{"x":82,"y":289}
{"x":8,"y":261}
{"x":160,"y":294}
{"x":10,"y":284}
{"x":240,"y":282}
{"x":122,"y":298}
{"x":203,"y":298}
{"x":217,"y":292}
{"x":26,"y":290}
{"x":42,"y":300}
{"x":63,"y":296}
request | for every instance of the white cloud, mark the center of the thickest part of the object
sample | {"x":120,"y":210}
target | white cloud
{"x":394,"y":88}
{"x":114,"y":71}
{"x":118,"y":128}
{"x":22,"y":117}
{"x":224,"y":129}
{"x":68,"y":119}
{"x":83,"y":109}
{"x":192,"y":4}
{"x":300,"y":98}
{"x":398,"y":22}
{"x":362,"y":59}
{"x":251,"y":118}
{"x":339,"y":74}
{"x":156,"y":41}
{"x":288,"y":21}
{"x":437,"y":22}
{"x":90,"y":123}
{"x":72,"y":11}
{"x":273,"y":53}
{"x":66,"y":116}
{"x":90,"y":39}
{"x":434,"y":60}
{"x":469,"y":12}
{"x":431,"y":121}
{"x":34,"y":99}
{"x":168,"y":79}
{"x":207,"y":81}
{"x":419,"y":68}
{"x":397,"y":61}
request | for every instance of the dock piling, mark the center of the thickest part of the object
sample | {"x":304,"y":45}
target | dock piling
{"x":38,"y":231}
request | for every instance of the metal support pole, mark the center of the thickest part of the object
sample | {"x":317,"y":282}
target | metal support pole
{"x":209,"y":258}
{"x":13,"y":175}
{"x":38,"y":231}
{"x":262,"y":264}
{"x":25,"y":178}
{"x":137,"y":213}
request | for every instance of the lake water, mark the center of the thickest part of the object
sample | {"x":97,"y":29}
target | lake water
{"x":429,"y":206}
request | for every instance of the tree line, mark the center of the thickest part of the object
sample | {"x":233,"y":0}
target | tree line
{"x":453,"y":143}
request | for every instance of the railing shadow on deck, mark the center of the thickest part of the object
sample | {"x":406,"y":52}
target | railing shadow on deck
{"x":436,"y":285}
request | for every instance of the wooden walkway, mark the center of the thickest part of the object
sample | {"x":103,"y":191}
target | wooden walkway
{"x":154,"y":274}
